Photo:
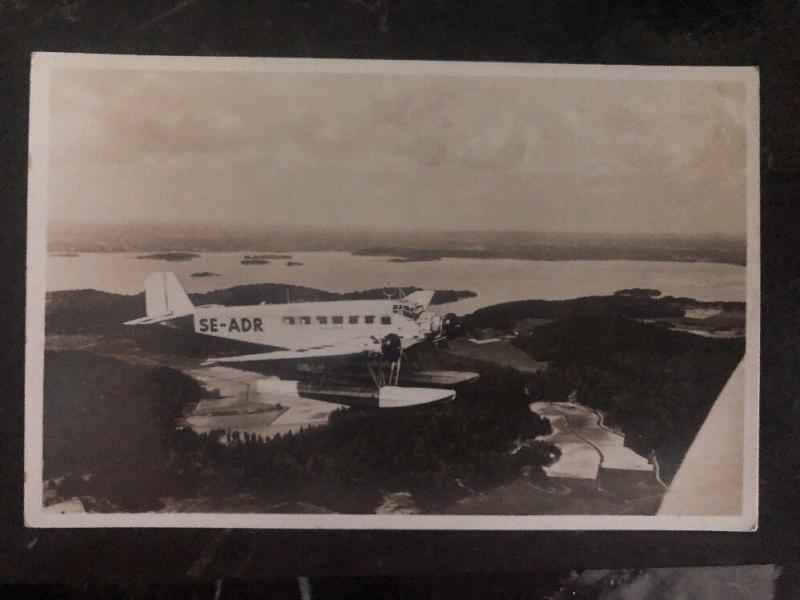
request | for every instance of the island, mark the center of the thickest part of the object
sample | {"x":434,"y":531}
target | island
{"x":661,"y":251}
{"x":170,"y":256}
{"x":400,"y":245}
{"x":638,"y":292}
{"x":267,"y":256}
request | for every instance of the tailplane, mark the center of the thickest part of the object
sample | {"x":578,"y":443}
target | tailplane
{"x":164,"y":298}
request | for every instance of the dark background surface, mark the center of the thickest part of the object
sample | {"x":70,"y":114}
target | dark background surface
{"x":681,"y":32}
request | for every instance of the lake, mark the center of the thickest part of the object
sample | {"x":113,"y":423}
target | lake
{"x":494,"y":280}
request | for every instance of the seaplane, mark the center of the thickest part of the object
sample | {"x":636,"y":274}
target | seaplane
{"x":318,"y":337}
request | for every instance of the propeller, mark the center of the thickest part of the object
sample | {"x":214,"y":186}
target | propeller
{"x":391,"y":347}
{"x":452,"y":326}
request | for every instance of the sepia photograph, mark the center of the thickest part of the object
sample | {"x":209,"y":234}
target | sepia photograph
{"x":365,"y":294}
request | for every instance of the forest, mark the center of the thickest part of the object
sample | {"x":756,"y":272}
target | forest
{"x":115,"y":422}
{"x":632,"y":304}
{"x":655,"y":384}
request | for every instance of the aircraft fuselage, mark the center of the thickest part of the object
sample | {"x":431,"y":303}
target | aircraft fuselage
{"x":305,"y":324}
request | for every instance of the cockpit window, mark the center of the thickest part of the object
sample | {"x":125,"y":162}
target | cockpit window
{"x":411,"y":311}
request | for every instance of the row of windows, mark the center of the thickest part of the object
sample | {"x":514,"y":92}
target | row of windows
{"x":352,"y":320}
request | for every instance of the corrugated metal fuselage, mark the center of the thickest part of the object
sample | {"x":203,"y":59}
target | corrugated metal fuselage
{"x":308,"y":324}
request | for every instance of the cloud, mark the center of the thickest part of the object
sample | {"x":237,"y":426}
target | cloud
{"x":464,"y":152}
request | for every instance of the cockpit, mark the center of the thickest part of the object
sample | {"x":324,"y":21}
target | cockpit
{"x":408,"y":310}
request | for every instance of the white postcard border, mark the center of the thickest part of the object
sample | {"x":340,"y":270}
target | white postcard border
{"x":35,"y":516}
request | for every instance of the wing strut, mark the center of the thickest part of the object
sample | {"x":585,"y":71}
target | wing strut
{"x":377,"y":371}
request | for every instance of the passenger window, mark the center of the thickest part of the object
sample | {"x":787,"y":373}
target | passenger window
{"x":305,"y":320}
{"x":369,"y":319}
{"x":353,"y":319}
{"x":288,"y":320}
{"x":338,"y":320}
{"x":386,"y":320}
{"x":322,"y":320}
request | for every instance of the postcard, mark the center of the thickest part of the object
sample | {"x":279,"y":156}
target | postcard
{"x":361,"y":294}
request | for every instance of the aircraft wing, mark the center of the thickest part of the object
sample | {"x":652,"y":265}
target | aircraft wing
{"x":353,"y":348}
{"x":422,"y":297}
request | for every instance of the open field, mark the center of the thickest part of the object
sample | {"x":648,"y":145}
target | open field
{"x":586,"y":444}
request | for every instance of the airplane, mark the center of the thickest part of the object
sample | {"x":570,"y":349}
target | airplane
{"x":374,"y":333}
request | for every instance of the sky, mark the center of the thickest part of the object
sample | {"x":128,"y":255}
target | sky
{"x":366,"y":151}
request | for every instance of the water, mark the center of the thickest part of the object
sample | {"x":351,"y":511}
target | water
{"x":494,"y":280}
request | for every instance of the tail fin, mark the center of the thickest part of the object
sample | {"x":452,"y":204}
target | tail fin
{"x":164,"y":299}
{"x":164,"y":295}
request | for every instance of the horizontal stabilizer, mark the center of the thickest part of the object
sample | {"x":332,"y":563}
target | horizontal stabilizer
{"x":151,"y":320}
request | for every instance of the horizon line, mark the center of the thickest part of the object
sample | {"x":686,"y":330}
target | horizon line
{"x":249,"y":228}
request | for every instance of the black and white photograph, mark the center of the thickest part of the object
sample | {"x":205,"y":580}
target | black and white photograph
{"x":365,"y":294}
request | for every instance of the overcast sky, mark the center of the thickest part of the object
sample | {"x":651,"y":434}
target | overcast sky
{"x":366,"y":151}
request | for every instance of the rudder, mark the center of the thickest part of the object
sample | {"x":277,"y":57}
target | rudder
{"x":164,"y":295}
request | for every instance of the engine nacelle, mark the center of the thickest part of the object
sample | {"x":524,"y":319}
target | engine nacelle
{"x":447,"y":326}
{"x":391,"y":348}
{"x":451,"y":325}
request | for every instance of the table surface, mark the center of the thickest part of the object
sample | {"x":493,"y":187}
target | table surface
{"x":591,"y":32}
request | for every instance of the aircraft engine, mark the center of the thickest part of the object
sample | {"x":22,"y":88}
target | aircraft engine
{"x":391,"y":347}
{"x":451,"y":325}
